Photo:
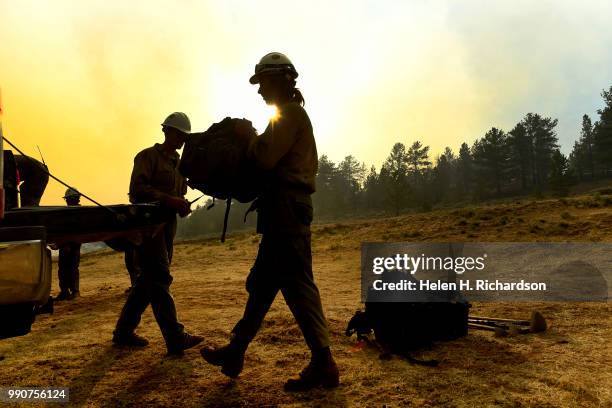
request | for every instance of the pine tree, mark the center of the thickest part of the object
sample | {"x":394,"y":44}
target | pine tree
{"x":326,"y":197}
{"x":373,"y":191}
{"x":394,"y":176}
{"x":464,"y":170}
{"x":520,"y":145}
{"x":559,"y":174}
{"x":586,"y":144}
{"x":602,"y":135}
{"x":491,"y":159}
{"x":417,"y":158}
{"x":351,"y":174}
{"x":442,"y":177}
{"x":577,"y":160}
{"x":541,"y":132}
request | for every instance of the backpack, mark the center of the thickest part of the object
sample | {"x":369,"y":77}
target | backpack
{"x":215,"y":163}
{"x":404,"y":326}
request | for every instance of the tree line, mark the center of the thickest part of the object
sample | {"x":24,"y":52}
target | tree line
{"x":523,"y":160}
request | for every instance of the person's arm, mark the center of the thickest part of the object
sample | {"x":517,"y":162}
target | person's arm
{"x":183,"y":186}
{"x":267,"y":149}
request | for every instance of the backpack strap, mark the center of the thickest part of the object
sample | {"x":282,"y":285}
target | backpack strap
{"x":253,"y":207}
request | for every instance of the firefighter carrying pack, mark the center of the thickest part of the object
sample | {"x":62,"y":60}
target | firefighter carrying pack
{"x":215,"y":163}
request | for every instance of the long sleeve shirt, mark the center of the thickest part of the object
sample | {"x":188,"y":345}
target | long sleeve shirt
{"x":155,"y":176}
{"x":287,"y":148}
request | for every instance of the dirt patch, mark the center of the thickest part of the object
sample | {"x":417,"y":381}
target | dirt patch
{"x":567,"y":366}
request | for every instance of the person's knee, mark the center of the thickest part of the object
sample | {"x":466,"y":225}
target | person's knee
{"x":161,"y":281}
{"x":256,"y":280}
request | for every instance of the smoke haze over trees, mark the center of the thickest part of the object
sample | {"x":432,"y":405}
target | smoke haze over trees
{"x":524,"y":160}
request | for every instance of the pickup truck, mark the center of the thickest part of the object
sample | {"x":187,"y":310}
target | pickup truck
{"x":26,"y":233}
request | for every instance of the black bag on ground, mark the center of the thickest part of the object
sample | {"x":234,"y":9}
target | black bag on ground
{"x":215,"y":162}
{"x":408,"y":326}
{"x":401,"y":327}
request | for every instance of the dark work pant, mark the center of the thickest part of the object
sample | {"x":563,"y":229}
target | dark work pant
{"x":131,"y":264}
{"x":68,"y":267}
{"x":284,"y":263}
{"x":152,"y":286}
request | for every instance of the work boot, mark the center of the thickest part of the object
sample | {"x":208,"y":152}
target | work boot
{"x":129,"y":340}
{"x":321,"y":371}
{"x":185,"y":341}
{"x":63,"y":295}
{"x":71,"y":295}
{"x":229,"y":357}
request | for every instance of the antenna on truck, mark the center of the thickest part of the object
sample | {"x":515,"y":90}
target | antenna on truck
{"x":41,"y":156}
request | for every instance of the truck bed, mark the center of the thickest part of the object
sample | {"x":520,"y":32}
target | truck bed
{"x":90,"y":223}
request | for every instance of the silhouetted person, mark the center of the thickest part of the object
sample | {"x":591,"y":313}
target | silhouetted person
{"x":69,"y":258}
{"x":34,"y":178}
{"x":155,"y":177}
{"x":287,"y":152}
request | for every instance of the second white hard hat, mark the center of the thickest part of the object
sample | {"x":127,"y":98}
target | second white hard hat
{"x":71,"y":192}
{"x":273,"y":63}
{"x":179,"y":121}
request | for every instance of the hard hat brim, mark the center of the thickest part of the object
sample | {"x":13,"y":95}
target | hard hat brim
{"x":254,"y":79}
{"x":177,"y":128}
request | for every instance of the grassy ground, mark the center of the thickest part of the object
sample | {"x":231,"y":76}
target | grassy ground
{"x":567,"y":366}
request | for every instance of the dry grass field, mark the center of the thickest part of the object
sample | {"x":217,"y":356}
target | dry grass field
{"x":570,"y":365}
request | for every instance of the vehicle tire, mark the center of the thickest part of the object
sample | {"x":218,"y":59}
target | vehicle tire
{"x":16,"y":320}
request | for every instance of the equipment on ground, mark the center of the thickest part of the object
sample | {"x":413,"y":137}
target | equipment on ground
{"x":503,"y":327}
{"x":403,"y":323}
{"x":403,"y":327}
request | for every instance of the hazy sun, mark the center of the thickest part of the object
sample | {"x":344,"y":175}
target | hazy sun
{"x":272,"y":111}
{"x":240,"y":100}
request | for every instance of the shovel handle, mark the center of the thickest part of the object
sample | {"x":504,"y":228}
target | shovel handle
{"x":497,"y":319}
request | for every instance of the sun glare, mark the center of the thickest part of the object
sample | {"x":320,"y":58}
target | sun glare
{"x":272,"y":112}
{"x":230,"y":97}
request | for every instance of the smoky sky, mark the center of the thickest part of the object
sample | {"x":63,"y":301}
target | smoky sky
{"x":94,"y":79}
{"x":548,"y":57}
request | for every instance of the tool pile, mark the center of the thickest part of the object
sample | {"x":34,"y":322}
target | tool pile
{"x":505,"y":327}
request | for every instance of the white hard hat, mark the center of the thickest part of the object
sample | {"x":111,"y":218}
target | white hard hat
{"x":71,"y":192}
{"x":274,"y":63}
{"x":179,"y":121}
